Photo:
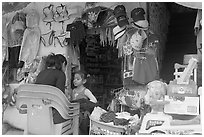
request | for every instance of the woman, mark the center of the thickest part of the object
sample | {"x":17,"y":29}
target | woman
{"x":54,"y":75}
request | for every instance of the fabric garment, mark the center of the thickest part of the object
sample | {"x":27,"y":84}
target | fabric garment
{"x":54,"y":78}
{"x":77,"y":32}
{"x":31,"y":38}
{"x":47,"y":39}
{"x":120,"y":122}
{"x":84,"y":94}
{"x":79,"y":95}
{"x":30,"y":45}
{"x":108,"y":117}
{"x":13,"y":55}
{"x":85,"y":105}
{"x":15,"y":34}
{"x":145,"y":70}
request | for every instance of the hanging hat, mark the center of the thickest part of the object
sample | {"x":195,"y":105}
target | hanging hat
{"x":138,"y":18}
{"x":137,"y":14}
{"x":118,"y":32}
{"x":119,"y":11}
{"x":122,"y":21}
{"x":142,"y":24}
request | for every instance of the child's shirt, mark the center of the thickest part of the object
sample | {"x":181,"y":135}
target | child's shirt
{"x":85,"y":93}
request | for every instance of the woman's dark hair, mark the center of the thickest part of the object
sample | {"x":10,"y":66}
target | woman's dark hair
{"x":60,"y":59}
{"x":50,"y":60}
{"x":56,"y":61}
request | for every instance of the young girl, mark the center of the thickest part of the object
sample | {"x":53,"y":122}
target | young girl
{"x":86,"y":99}
{"x":80,"y":92}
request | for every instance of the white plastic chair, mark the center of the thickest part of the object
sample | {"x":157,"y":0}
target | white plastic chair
{"x":39,"y":100}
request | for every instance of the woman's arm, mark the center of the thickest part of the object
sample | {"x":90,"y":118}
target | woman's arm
{"x":88,"y":93}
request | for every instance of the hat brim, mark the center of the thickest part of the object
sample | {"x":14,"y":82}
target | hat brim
{"x":120,"y":33}
{"x":141,"y":24}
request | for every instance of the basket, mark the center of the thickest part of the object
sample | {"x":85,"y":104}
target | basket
{"x":101,"y":128}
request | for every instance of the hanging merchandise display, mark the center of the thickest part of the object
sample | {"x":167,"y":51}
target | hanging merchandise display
{"x":47,"y":39}
{"x":91,"y":16}
{"x":139,"y":50}
{"x":30,"y":46}
{"x":138,"y":18}
{"x":61,"y":15}
{"x":49,"y":15}
{"x":77,"y":32}
{"x":106,"y":36}
{"x":121,"y":15}
{"x":31,"y":38}
{"x":15,"y":31}
{"x":52,"y":38}
{"x":118,"y":31}
{"x":106,"y":19}
{"x":98,"y":16}
{"x":136,"y":40}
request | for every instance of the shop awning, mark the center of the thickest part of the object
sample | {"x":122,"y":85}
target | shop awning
{"x":194,"y":5}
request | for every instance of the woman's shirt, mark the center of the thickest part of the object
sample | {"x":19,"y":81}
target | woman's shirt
{"x":85,"y":93}
{"x":56,"y":78}
{"x":52,"y":77}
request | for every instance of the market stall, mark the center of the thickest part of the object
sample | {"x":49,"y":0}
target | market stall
{"x":114,"y":43}
{"x":172,"y":109}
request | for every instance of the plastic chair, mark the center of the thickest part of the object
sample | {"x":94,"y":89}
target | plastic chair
{"x":40,"y":99}
{"x":177,"y":73}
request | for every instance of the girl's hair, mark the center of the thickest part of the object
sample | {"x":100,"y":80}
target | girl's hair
{"x":50,"y":60}
{"x":83,"y":74}
{"x":60,"y":59}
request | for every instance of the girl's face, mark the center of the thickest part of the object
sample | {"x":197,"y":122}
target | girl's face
{"x":78,"y":81}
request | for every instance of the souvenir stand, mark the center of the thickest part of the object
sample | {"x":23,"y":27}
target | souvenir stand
{"x":120,"y":54}
{"x":152,"y":106}
{"x":136,"y":45}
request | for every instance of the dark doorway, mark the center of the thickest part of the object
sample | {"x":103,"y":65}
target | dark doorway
{"x":180,"y":39}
